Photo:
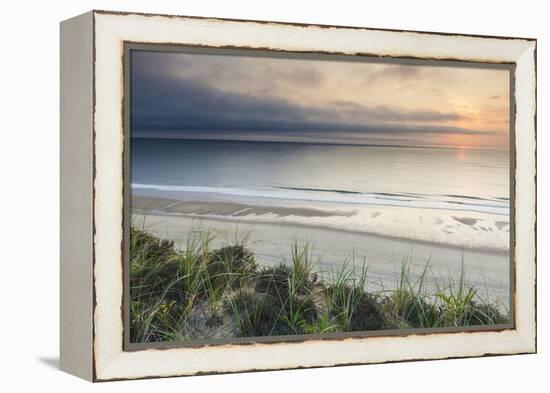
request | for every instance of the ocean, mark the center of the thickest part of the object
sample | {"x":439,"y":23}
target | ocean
{"x":450,"y":196}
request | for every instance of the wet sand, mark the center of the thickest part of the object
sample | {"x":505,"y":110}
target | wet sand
{"x":221,"y":208}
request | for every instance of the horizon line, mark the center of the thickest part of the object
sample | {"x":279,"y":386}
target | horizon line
{"x":205,"y":139}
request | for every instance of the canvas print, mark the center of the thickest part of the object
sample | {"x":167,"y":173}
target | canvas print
{"x":278,"y":195}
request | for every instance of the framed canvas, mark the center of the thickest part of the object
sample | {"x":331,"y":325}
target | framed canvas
{"x":246,"y":195}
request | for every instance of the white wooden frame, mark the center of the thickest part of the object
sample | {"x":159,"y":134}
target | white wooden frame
{"x":92,"y":144}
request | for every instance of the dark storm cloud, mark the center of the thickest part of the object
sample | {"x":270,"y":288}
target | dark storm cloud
{"x":168,"y":103}
{"x":165,"y":101}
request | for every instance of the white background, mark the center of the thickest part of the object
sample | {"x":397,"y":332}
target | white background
{"x":29,"y":197}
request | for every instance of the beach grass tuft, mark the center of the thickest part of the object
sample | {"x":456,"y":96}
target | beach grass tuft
{"x":201,"y":292}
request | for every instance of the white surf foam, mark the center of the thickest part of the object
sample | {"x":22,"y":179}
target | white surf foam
{"x":418,"y":201}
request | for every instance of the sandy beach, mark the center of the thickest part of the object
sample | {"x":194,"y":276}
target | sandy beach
{"x":172,"y":219}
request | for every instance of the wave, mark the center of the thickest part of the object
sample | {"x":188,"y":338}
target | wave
{"x":421,"y":201}
{"x":319,"y":190}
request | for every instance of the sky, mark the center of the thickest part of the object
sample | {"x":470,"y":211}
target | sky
{"x":226,"y":97}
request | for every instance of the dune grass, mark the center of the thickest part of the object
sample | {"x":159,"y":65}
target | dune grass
{"x":205,"y":293}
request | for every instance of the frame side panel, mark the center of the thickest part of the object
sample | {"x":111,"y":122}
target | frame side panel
{"x":76,"y":210}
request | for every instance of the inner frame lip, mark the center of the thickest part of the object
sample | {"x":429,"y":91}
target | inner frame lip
{"x":228,"y":50}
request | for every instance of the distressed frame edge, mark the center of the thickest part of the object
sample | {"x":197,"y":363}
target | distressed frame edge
{"x":305,"y":25}
{"x":528,"y":339}
{"x":526,"y":136}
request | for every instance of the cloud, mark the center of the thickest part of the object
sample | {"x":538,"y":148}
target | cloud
{"x":173,"y":103}
{"x":494,"y":97}
{"x":301,"y":76}
{"x":232,"y":72}
{"x":165,"y":102}
{"x":404,"y":73}
{"x":396,"y":71}
{"x":387,"y":113}
{"x":184,"y":106}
